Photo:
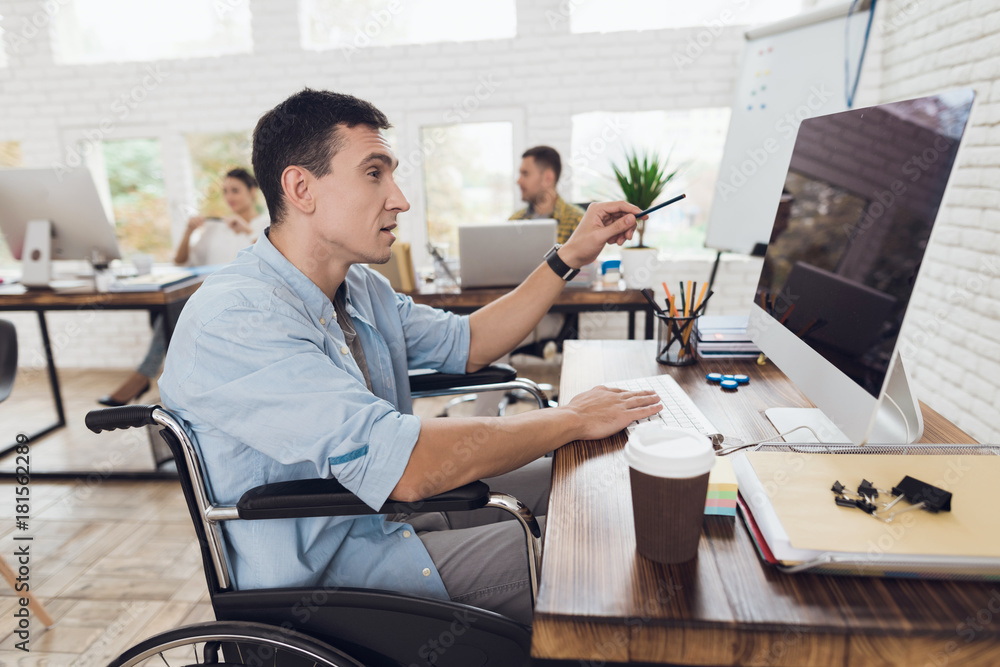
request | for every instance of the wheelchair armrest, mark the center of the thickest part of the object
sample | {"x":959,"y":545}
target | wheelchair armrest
{"x":327,"y":497}
{"x":493,"y":374}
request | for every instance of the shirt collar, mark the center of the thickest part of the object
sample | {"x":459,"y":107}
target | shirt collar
{"x":556,"y":209}
{"x":316,"y":302}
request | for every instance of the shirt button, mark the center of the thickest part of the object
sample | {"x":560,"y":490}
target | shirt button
{"x":406,"y":533}
{"x":322,"y":321}
{"x":344,"y":349}
{"x":427,"y":572}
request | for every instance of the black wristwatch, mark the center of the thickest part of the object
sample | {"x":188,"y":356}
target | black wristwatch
{"x":560,"y":267}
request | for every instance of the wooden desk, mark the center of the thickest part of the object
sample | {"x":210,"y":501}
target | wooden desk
{"x":572,"y":300}
{"x":600,"y":601}
{"x":167,"y":302}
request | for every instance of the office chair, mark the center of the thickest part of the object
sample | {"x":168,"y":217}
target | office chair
{"x":8,"y":371}
{"x":337,"y":627}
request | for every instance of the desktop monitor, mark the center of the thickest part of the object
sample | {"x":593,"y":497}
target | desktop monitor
{"x":55,"y":213}
{"x":865,"y":187}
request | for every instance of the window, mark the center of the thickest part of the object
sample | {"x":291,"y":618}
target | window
{"x":468,"y":178}
{"x":212,"y":155}
{"x":92,"y":31}
{"x":10,"y":156}
{"x":694,"y":138}
{"x":618,"y":15}
{"x":138,"y":197}
{"x":351,"y":25}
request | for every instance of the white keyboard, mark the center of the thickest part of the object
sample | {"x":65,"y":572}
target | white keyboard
{"x":678,"y":408}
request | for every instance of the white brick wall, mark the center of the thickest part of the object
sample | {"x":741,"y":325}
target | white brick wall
{"x":544,"y":76}
{"x":951,"y":340}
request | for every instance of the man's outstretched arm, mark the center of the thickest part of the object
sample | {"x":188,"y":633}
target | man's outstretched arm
{"x":498,"y":327}
{"x":452,"y":452}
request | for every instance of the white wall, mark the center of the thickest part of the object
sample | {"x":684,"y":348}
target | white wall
{"x":537,"y":81}
{"x":951,"y":339}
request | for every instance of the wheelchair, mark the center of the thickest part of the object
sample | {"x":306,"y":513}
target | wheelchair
{"x":333,"y":627}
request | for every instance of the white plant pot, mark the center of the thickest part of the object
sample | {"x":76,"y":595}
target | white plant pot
{"x":639,"y":267}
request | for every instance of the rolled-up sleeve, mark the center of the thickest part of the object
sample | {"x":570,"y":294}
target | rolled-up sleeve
{"x":435,"y":339}
{"x":294,"y":404}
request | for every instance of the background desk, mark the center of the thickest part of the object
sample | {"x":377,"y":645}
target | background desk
{"x":572,"y":300}
{"x":600,"y":601}
{"x":167,"y":302}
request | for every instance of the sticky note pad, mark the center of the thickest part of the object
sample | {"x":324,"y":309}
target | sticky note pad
{"x":722,"y":488}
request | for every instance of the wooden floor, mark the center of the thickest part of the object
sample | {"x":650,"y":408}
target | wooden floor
{"x":113,"y":561}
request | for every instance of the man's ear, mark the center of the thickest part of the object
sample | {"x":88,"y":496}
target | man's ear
{"x":296,"y":184}
{"x":549,"y":178}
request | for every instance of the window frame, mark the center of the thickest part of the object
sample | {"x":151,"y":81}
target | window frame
{"x":412,"y":124}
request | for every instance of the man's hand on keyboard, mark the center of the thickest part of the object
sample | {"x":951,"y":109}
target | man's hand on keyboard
{"x":604,"y":411}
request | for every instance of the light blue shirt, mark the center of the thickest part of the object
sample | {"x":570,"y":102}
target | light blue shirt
{"x":260,"y":373}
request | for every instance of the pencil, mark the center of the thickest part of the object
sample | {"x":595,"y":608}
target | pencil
{"x":659,"y":206}
{"x":704,"y":302}
{"x":694,"y":286}
{"x":787,"y":314}
{"x":701,"y":297}
{"x":684,"y":307}
{"x":670,"y":300}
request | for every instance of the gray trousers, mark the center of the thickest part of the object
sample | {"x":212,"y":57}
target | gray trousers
{"x":482,"y":555}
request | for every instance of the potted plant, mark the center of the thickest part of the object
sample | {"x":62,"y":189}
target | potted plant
{"x":642,"y":181}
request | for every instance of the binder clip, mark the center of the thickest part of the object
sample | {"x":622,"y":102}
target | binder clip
{"x":921,"y":496}
{"x":863,"y":502}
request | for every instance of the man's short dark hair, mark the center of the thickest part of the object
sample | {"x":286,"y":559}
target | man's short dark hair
{"x":545,"y":157}
{"x":302,"y":131}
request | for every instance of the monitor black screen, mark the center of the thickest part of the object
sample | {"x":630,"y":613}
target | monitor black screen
{"x":862,"y":192}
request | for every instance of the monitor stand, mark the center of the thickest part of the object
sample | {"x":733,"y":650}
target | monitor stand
{"x":902,"y":425}
{"x":36,"y":254}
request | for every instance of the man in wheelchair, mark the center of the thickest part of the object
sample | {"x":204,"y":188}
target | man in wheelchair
{"x":291,"y":363}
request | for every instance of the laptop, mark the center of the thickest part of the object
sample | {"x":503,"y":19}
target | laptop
{"x":504,"y":254}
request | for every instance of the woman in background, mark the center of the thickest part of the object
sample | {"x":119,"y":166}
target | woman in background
{"x":206,"y":242}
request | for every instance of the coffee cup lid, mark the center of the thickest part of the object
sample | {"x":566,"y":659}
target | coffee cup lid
{"x":655,"y":449}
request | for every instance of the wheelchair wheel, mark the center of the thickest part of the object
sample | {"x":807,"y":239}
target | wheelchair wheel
{"x":233,"y":644}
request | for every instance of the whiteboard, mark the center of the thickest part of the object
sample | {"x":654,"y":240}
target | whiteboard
{"x":791,"y":70}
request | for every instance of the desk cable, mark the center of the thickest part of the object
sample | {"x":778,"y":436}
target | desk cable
{"x":725,"y":451}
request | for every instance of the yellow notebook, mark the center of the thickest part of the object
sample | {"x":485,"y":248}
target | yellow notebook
{"x":788,"y":495}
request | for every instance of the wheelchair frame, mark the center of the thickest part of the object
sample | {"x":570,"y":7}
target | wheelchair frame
{"x":346,"y":627}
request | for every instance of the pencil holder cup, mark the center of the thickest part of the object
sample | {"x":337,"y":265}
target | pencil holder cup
{"x":675,"y":340}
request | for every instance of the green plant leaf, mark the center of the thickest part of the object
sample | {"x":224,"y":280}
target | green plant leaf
{"x":643,"y":178}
